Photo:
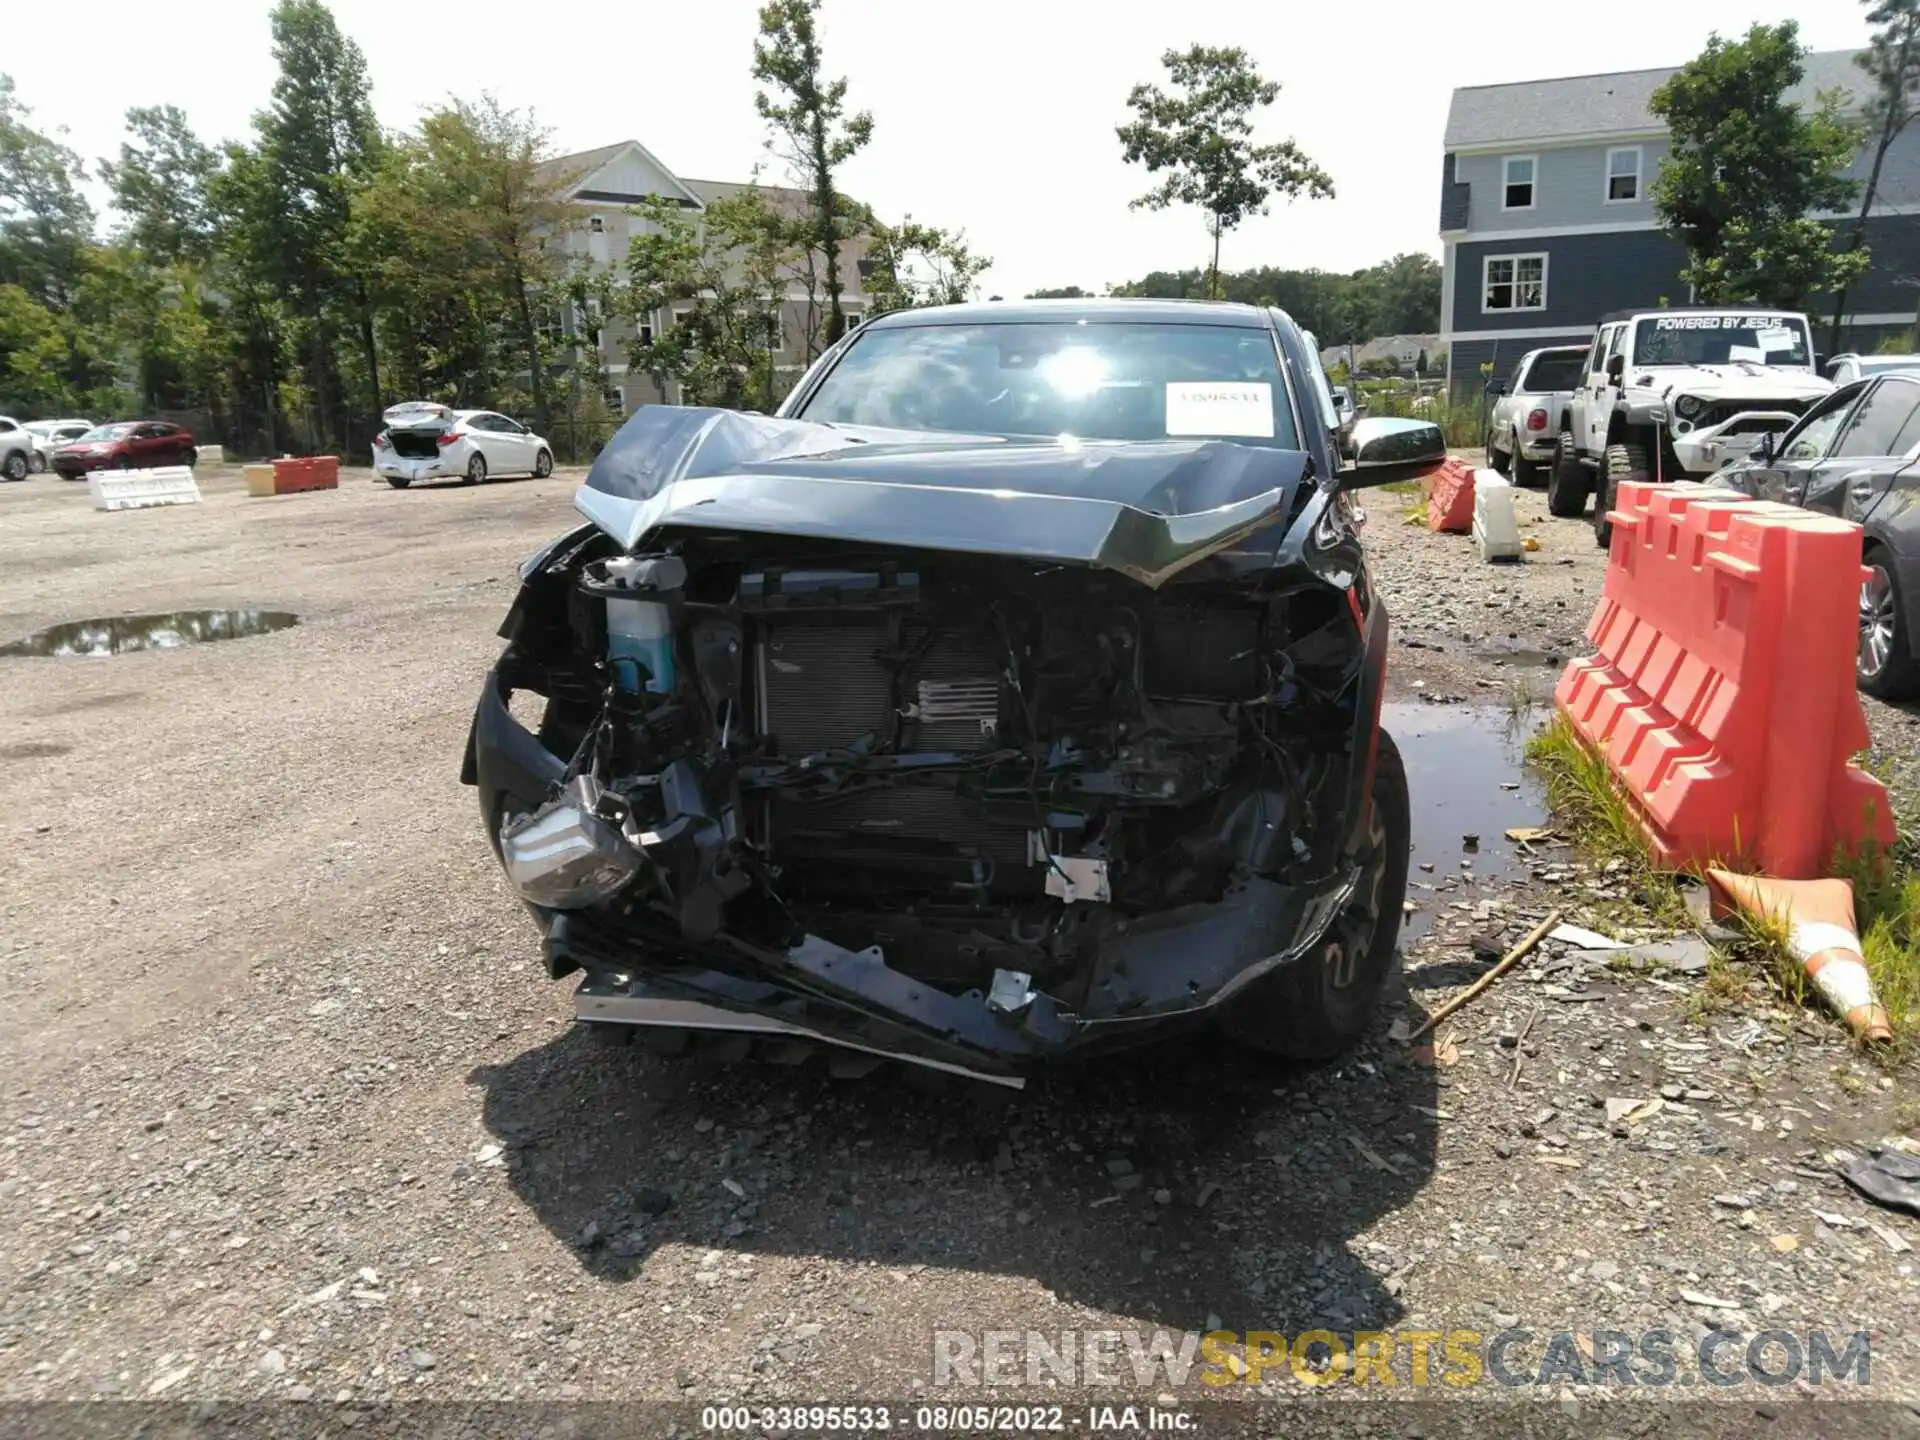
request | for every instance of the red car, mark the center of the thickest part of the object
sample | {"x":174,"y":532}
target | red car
{"x":125,"y":445}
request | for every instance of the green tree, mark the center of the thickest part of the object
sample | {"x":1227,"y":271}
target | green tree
{"x":1201,"y":135}
{"x":717,"y":284}
{"x":160,"y":183}
{"x":813,"y":132}
{"x":46,"y":224}
{"x":320,"y":144}
{"x":1892,"y":63}
{"x":1063,"y":292}
{"x":1748,"y":170}
{"x":914,"y":264}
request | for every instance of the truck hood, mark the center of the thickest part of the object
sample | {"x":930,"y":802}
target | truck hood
{"x":1146,"y":509}
{"x":1741,"y":378}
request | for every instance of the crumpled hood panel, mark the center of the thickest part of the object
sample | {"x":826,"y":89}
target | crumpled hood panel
{"x":1144,"y":509}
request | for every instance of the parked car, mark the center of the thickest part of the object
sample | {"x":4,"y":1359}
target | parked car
{"x":1843,"y":369}
{"x":1530,"y":411}
{"x":1856,"y":454}
{"x":427,"y":441}
{"x":1012,"y":691}
{"x":125,"y":445}
{"x":1677,"y":393}
{"x":17,"y":452}
{"x":50,"y":435}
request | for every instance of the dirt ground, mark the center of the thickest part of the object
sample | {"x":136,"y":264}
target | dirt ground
{"x":292,"y":1112}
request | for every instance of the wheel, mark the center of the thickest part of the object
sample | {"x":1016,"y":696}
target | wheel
{"x":1499,"y":459}
{"x":37,"y":463}
{"x":543,"y":465}
{"x":399,"y":482}
{"x":1318,"y":1006}
{"x":15,"y":465}
{"x":121,"y":462}
{"x":477,"y":470}
{"x":1622,"y":462}
{"x":1567,"y":482}
{"x":191,"y":458}
{"x":1526,"y":473}
{"x":1885,"y":664}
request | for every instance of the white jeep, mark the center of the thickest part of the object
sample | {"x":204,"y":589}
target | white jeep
{"x":1676,"y":394}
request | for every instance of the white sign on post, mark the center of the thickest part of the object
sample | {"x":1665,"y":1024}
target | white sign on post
{"x":137,"y":489}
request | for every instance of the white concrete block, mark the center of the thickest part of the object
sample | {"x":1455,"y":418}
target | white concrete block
{"x":1496,"y":529}
{"x":137,"y":489}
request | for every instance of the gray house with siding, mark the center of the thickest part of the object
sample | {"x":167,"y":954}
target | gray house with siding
{"x":1547,"y":221}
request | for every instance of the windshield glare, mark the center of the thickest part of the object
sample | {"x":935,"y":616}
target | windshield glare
{"x":102,"y":433}
{"x":1758,"y":337}
{"x":1867,"y":367}
{"x":1096,"y":381}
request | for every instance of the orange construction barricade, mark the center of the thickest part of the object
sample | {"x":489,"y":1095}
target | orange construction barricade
{"x":317,"y":472}
{"x":1450,"y":498}
{"x":1722,"y":691}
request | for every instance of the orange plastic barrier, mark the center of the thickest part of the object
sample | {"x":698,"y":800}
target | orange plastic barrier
{"x":1722,"y":694}
{"x":1450,"y":498}
{"x":317,"y":472}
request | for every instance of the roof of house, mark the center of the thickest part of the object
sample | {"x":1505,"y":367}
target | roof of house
{"x":1612,"y":104}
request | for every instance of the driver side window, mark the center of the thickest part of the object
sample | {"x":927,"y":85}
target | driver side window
{"x":1810,"y":439}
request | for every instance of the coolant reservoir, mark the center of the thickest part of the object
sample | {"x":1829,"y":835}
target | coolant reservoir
{"x":640,"y":630}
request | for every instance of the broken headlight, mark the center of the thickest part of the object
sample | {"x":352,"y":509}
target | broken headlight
{"x":566,"y":855}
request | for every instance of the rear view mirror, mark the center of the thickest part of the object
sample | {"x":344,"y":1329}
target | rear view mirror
{"x":1386,"y":449}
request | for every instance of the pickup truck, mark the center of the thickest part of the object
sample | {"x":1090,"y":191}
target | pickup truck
{"x":1675,"y":394}
{"x":1524,"y":427}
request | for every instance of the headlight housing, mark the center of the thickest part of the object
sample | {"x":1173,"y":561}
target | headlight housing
{"x":1689,"y":405}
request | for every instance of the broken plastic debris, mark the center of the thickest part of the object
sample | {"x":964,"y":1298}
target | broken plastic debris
{"x":1891,"y":1179}
{"x":1583,"y":939}
{"x":1531,"y":834}
{"x":1712,"y":1302}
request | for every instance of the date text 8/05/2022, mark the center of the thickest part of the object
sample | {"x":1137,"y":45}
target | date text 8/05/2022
{"x":944,"y":1419}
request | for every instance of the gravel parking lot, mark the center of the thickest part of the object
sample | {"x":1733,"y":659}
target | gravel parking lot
{"x":293,"y":1112}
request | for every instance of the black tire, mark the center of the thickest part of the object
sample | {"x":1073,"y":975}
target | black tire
{"x":1526,"y":473}
{"x":1320,"y":1005}
{"x":1499,"y":460}
{"x":191,"y":458}
{"x":37,"y":464}
{"x":1622,"y":462}
{"x":1567,"y":483}
{"x":476,"y":470}
{"x":121,"y":462}
{"x":543,"y":465}
{"x":15,"y":466}
{"x":1884,"y":663}
{"x":399,"y":482}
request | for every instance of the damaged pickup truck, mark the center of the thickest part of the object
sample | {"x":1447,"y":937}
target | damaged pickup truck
{"x":1014,"y":692}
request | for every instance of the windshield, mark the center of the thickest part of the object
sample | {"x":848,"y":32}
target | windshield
{"x":1097,"y":381}
{"x":101,"y":433}
{"x":1557,"y":371}
{"x":1759,"y":337}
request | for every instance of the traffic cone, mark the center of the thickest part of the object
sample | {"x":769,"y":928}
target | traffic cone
{"x":1823,"y":936}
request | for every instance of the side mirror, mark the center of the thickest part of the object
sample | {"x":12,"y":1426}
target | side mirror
{"x":1765,"y":447}
{"x":1820,"y":363}
{"x":1386,"y":449}
{"x":1616,"y":367}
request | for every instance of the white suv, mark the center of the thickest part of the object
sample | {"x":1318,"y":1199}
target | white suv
{"x":1676,"y":394}
{"x":427,"y":441}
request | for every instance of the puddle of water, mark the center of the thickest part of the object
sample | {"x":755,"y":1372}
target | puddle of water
{"x":124,"y":634}
{"x":1458,"y":759}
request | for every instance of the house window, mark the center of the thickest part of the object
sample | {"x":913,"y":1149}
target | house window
{"x":646,"y":332}
{"x":1514,"y":282}
{"x":683,"y":317}
{"x":1623,"y":175}
{"x":853,"y":317}
{"x":776,"y":331}
{"x":1517,"y":182}
{"x":616,"y":400}
{"x":596,"y":225}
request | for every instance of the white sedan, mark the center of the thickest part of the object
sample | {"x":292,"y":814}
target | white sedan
{"x":425,"y":441}
{"x":50,"y":435}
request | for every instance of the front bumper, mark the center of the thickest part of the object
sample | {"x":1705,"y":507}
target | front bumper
{"x":1147,"y":974}
{"x":1702,"y":451}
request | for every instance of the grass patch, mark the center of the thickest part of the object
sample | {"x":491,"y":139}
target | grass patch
{"x":1590,"y":807}
{"x":1417,"y":515}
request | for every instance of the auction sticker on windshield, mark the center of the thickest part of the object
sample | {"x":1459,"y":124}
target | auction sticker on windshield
{"x":1220,"y":407}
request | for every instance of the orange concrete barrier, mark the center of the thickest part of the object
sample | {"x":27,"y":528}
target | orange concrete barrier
{"x":1450,"y":498}
{"x":1722,"y":691}
{"x":316,"y":472}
